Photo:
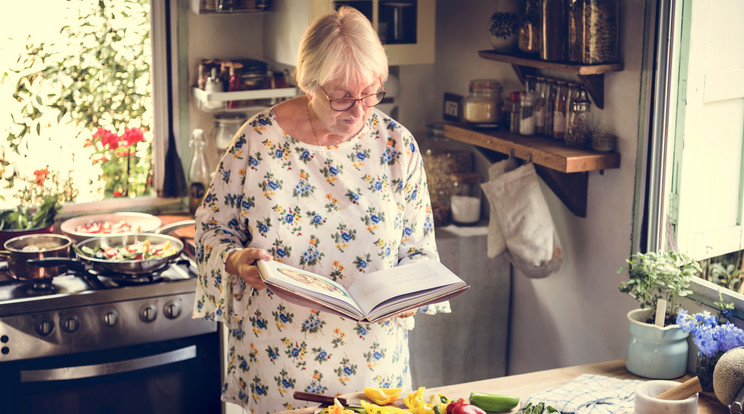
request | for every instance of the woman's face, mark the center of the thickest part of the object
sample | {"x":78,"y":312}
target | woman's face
{"x":348,"y":122}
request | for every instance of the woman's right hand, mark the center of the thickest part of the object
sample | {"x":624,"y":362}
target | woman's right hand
{"x":243,"y":263}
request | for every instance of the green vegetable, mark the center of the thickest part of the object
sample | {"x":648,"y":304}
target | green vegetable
{"x":24,"y":218}
{"x":538,"y":409}
{"x":493,"y":403}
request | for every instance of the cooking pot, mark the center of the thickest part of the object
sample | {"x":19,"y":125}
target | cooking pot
{"x":22,"y":251}
{"x":129,"y":267}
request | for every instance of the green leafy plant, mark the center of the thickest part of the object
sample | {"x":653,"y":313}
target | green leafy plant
{"x":659,"y":275}
{"x":27,"y":218}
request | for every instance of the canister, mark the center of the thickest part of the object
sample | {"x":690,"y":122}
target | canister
{"x":483,"y":105}
{"x":466,"y":198}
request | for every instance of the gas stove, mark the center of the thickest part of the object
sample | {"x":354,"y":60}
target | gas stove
{"x":89,"y":311}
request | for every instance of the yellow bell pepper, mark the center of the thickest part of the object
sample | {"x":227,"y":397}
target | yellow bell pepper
{"x":382,"y":396}
{"x":337,"y":408}
{"x":372,"y":408}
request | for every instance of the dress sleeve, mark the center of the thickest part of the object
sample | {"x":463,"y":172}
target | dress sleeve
{"x":221,"y":227}
{"x":418,"y":241}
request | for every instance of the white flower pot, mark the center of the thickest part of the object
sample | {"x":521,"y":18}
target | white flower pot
{"x":654,"y":352}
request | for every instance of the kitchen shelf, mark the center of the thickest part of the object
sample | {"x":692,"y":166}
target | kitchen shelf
{"x":203,"y":97}
{"x":591,"y":76}
{"x":244,"y":6}
{"x":564,"y":169}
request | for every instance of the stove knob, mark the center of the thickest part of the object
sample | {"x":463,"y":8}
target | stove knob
{"x":44,"y":327}
{"x":111,"y":318}
{"x":172,"y":310}
{"x":71,"y":324}
{"x":148,"y":313}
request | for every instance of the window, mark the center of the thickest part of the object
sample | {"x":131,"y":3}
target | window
{"x":84,"y":100}
{"x":696,"y":172}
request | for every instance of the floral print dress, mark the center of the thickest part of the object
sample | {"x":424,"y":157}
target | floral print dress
{"x":344,"y":211}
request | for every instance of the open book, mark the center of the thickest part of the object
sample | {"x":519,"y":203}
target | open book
{"x":373,"y":297}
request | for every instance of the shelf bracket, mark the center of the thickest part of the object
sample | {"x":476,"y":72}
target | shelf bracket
{"x":571,"y":189}
{"x":594,"y":85}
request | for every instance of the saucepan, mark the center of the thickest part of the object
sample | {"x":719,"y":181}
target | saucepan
{"x":22,"y":251}
{"x":86,"y":249}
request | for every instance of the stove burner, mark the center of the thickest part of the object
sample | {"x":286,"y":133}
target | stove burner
{"x":38,"y":287}
{"x":125,"y":279}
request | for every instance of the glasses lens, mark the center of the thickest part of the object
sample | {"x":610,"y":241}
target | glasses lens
{"x":342,"y":104}
{"x":373,"y":100}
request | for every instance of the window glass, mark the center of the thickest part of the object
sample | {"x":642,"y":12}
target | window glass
{"x":75,"y":101}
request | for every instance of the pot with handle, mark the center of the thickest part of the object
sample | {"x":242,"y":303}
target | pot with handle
{"x":22,"y":251}
{"x":130,"y":266}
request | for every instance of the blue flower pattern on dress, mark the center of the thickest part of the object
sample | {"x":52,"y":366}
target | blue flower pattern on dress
{"x":343,"y":211}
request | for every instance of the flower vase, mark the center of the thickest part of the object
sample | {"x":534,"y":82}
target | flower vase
{"x":705,"y":367}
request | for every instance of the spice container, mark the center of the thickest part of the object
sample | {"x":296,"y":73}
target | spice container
{"x":225,"y":127}
{"x":483,"y":105}
{"x":526,"y":113}
{"x":213,"y":84}
{"x":603,"y":142}
{"x":466,"y":198}
{"x":578,"y":132}
{"x":541,"y":88}
{"x":593,"y":31}
{"x":560,"y":110}
{"x":514,"y":113}
{"x":549,"y":105}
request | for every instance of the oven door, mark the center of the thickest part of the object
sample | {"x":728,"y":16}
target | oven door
{"x":178,"y":376}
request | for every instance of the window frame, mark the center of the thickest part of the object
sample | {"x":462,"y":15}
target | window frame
{"x":659,"y":141}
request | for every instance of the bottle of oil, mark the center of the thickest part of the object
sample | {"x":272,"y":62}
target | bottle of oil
{"x":198,"y":170}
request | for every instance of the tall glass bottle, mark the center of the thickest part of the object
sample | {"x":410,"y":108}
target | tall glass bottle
{"x":198,"y":170}
{"x":560,"y":110}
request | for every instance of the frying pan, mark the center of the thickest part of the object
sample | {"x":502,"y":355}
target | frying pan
{"x":129,"y":267}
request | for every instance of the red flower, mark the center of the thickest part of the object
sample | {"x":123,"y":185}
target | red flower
{"x":132,"y":136}
{"x":107,"y":138}
{"x":41,"y":175}
{"x":118,"y":194}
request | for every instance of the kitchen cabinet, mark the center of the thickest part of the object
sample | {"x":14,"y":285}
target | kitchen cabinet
{"x":406,"y":27}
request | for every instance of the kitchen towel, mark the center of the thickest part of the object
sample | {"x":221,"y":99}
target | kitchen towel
{"x":496,"y":243}
{"x":590,"y":394}
{"x":532,"y":242}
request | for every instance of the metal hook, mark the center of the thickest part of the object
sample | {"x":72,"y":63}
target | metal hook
{"x":529,"y":157}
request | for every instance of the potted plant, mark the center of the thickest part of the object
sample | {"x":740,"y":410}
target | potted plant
{"x":657,"y":350}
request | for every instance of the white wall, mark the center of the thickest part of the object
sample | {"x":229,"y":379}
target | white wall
{"x":576,"y":315}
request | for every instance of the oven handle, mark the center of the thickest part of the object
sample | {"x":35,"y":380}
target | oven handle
{"x":99,"y":370}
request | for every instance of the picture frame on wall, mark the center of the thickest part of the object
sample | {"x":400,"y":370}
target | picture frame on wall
{"x":452,"y":108}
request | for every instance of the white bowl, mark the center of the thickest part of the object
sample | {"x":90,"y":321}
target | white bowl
{"x":139,"y":222}
{"x":646,"y":403}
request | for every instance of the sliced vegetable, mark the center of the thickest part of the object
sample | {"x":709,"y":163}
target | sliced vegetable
{"x":382,"y":396}
{"x":337,"y":408}
{"x":493,"y":403}
{"x":372,"y":408}
{"x":140,"y":250}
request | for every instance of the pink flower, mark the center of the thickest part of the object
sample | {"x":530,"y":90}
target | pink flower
{"x":132,"y":136}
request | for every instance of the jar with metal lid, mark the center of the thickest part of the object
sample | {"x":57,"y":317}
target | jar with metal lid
{"x":560,"y":111}
{"x":483,"y":105}
{"x":466,"y":198}
{"x":526,"y":113}
{"x":225,"y":127}
{"x":514,"y":113}
{"x":593,"y":29}
{"x":578,"y":131}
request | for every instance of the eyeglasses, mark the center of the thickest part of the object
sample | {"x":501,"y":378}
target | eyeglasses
{"x":344,"y":104}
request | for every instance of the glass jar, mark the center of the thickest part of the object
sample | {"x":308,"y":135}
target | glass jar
{"x":593,"y":31}
{"x":540,"y":96}
{"x":514,"y":113}
{"x":526,"y":113}
{"x":529,"y":28}
{"x":483,"y":105}
{"x":578,"y":131}
{"x":466,"y":198}
{"x":553,"y":30}
{"x":225,"y":127}
{"x":560,"y":111}
{"x":442,"y":157}
{"x":549,"y":105}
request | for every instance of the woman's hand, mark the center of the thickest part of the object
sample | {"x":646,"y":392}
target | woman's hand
{"x":243,"y":263}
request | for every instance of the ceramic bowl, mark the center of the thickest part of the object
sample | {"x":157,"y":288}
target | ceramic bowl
{"x":646,"y":403}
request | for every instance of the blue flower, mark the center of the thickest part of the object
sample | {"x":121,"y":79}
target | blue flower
{"x":362,"y":264}
{"x":286,"y":383}
{"x":273,"y":185}
{"x":375,"y":218}
{"x":377,"y":355}
{"x":333,"y":170}
{"x":289,"y":218}
{"x":279,"y":153}
{"x":263,"y":121}
{"x":348,"y":370}
{"x":284,"y":318}
{"x":295,"y":352}
{"x":346,"y":236}
{"x":323,"y":355}
{"x":709,"y":336}
{"x":317,"y":219}
{"x":252,"y":161}
{"x":281,"y":252}
{"x":305,"y":155}
{"x":378,"y":186}
{"x":408,"y":231}
{"x":360,"y":156}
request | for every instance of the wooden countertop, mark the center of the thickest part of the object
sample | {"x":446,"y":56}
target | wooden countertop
{"x":524,"y":385}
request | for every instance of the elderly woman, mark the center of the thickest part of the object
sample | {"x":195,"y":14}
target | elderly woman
{"x":327,"y":183}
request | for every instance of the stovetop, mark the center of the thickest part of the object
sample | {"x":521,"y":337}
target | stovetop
{"x":80,"y":288}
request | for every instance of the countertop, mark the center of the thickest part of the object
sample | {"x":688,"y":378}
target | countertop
{"x":524,"y":385}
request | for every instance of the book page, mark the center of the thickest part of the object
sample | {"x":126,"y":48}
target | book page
{"x":421,"y":278}
{"x":306,"y":282}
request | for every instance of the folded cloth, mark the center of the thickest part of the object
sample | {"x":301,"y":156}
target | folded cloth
{"x":496,"y":242}
{"x":532,"y":242}
{"x":590,"y":394}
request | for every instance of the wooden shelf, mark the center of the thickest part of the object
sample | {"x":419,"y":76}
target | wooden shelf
{"x":564,"y":169}
{"x":591,"y":76}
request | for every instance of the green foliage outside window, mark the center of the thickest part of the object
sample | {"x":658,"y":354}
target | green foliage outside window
{"x":92,"y":82}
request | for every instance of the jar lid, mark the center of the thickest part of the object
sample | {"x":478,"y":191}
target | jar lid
{"x":492,"y":84}
{"x":465,"y":177}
